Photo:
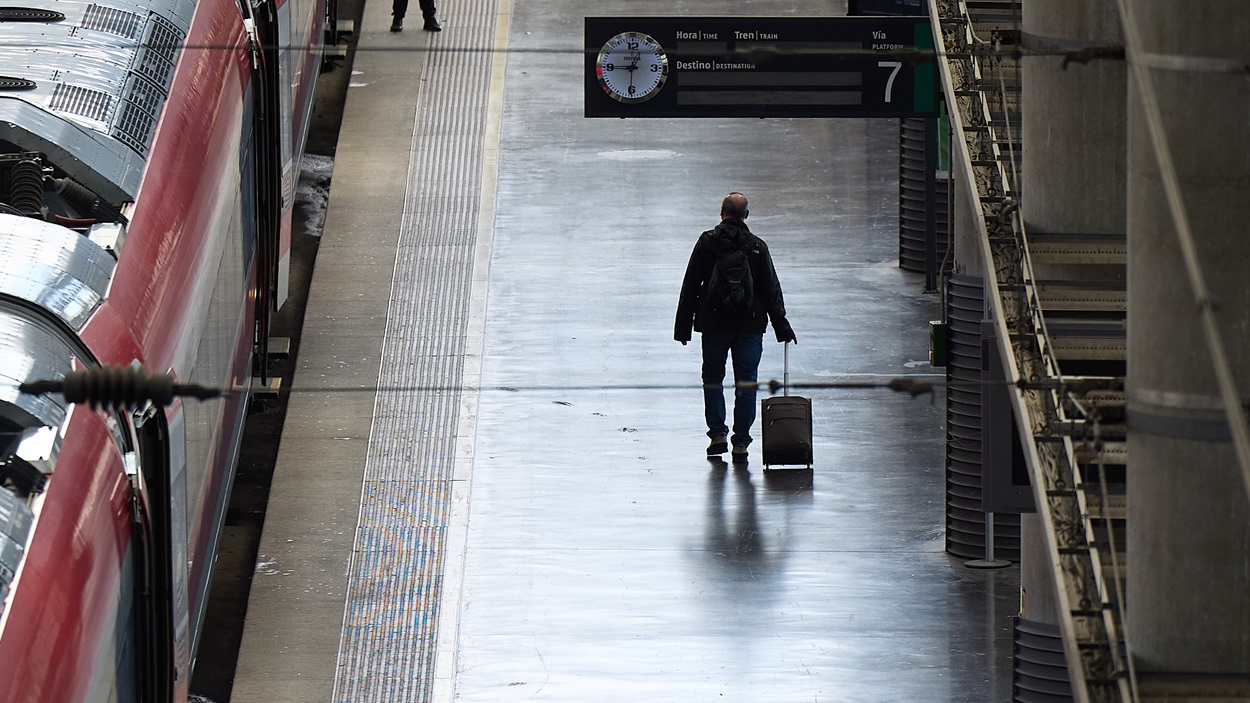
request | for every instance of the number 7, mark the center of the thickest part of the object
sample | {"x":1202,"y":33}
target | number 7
{"x":889,"y":84}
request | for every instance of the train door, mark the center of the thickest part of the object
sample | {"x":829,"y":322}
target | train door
{"x":159,"y":514}
{"x":266,"y":128}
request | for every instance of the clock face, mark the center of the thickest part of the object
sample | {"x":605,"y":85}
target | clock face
{"x":631,"y":67}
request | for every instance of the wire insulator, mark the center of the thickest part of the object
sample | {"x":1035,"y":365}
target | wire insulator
{"x":76,"y":194}
{"x":118,"y":387}
{"x":910,"y":386}
{"x":113,"y":387}
{"x":26,"y":188}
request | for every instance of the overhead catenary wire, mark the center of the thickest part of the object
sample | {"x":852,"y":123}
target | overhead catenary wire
{"x":128,"y":386}
{"x":1083,"y":55}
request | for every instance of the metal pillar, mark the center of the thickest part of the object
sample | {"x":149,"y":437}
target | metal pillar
{"x":930,"y":205}
{"x":989,"y":561}
{"x":1189,"y":522}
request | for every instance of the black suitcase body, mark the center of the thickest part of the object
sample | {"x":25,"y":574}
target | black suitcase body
{"x":787,"y":430}
{"x":786,"y":427}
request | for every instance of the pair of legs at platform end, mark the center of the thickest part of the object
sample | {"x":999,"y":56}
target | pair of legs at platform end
{"x":399,"y":8}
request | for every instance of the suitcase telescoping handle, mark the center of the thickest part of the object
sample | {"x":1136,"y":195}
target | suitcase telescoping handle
{"x":785,"y":369}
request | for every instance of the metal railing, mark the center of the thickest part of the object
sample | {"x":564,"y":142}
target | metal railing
{"x":1054,"y":415}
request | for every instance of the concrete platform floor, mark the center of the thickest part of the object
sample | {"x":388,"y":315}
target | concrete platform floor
{"x":590,"y":551}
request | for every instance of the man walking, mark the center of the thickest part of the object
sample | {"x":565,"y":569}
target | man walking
{"x":729,"y":295}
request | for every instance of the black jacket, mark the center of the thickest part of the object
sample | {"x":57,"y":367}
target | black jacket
{"x":693,"y":309}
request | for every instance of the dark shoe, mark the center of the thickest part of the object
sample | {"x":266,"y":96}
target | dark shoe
{"x":719,"y":445}
{"x":432,"y":25}
{"x":397,"y":25}
{"x":739,"y":455}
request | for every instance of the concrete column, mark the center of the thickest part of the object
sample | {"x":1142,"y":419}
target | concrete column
{"x":1189,"y":526}
{"x":1074,"y":120}
{"x":1073,"y":179}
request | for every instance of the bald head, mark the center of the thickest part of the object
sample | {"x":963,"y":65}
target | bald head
{"x":734,"y":207}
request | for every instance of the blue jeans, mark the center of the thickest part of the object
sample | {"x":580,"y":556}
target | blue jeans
{"x":746,"y":347}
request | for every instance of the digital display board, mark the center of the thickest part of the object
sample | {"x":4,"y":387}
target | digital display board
{"x":759,"y":67}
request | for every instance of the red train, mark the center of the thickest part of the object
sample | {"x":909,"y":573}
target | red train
{"x":148,"y":156}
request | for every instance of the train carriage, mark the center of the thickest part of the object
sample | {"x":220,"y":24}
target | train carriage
{"x":148,"y":154}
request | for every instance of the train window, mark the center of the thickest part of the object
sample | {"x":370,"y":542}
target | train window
{"x":10,"y":434}
{"x":22,"y":467}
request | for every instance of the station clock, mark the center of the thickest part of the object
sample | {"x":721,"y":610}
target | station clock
{"x":631,"y":67}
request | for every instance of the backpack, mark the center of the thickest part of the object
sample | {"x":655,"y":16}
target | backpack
{"x":730,"y":288}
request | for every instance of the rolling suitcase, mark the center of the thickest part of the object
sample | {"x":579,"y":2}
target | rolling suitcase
{"x":786,"y":425}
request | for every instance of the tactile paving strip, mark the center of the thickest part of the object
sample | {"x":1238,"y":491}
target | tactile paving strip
{"x":394,"y":583}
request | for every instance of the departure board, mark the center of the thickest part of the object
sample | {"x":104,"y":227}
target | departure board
{"x":759,"y":67}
